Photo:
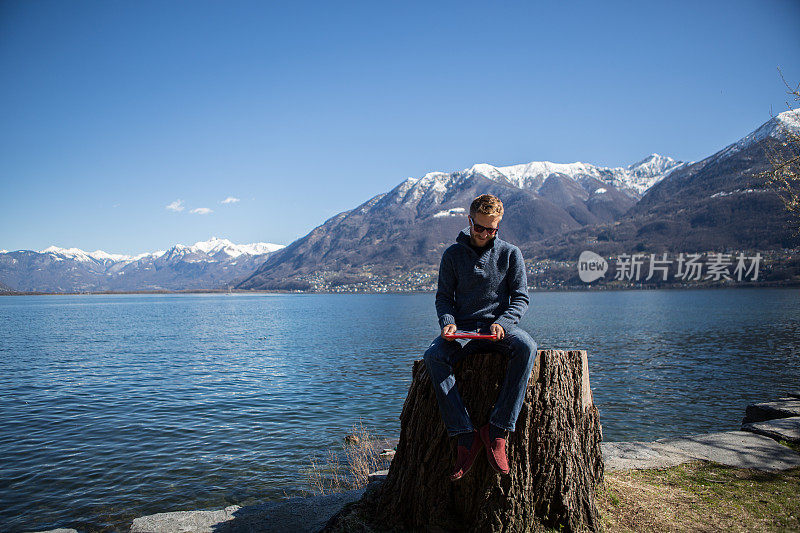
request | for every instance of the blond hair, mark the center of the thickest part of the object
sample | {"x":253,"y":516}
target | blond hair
{"x":486,"y":204}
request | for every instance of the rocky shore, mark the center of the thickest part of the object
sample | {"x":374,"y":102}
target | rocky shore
{"x":756,"y":446}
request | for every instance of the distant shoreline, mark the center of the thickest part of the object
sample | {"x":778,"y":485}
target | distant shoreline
{"x":572,"y":288}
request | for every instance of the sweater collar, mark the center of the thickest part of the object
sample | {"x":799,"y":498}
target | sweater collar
{"x":463,"y":238}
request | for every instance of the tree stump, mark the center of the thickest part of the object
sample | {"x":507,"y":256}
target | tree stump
{"x":555,"y":456}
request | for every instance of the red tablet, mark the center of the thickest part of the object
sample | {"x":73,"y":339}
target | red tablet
{"x":458,"y":335}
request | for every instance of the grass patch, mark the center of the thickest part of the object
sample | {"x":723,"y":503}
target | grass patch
{"x":701,"y":496}
{"x":793,"y":445}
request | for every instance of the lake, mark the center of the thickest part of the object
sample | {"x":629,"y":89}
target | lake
{"x":118,"y":406}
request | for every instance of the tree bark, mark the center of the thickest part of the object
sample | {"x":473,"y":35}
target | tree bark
{"x":555,"y":456}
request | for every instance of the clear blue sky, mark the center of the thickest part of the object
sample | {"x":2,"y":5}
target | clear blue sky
{"x":110,"y":110}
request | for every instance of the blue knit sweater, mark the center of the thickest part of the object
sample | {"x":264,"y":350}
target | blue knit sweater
{"x":487,"y":285}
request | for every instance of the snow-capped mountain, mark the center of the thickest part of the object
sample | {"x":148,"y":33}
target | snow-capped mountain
{"x":718,"y":203}
{"x":98,"y":256}
{"x":736,"y":167}
{"x":633,"y":180}
{"x":647,"y":172}
{"x":214,"y":248}
{"x":553,"y":210}
{"x":204,"y":265}
{"x":565,"y":184}
{"x":411,"y":224}
{"x":776,"y":128}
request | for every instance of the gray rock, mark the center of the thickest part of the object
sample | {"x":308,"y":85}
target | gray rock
{"x":293,"y":514}
{"x":388,"y":454}
{"x":59,"y":530}
{"x":787,"y":429}
{"x":380,"y":475}
{"x":783,"y":408}
{"x":737,"y":448}
{"x":184,"y":520}
{"x":639,"y":455}
{"x":734,"y":448}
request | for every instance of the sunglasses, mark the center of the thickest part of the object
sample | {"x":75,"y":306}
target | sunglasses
{"x":480,"y":229}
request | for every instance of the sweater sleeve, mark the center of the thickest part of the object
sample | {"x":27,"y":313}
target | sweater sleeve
{"x":517,"y":291}
{"x":446,"y":292}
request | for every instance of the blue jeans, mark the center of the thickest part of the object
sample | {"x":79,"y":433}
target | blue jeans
{"x":442,"y":355}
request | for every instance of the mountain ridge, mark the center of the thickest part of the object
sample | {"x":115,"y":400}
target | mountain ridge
{"x":214,"y":244}
{"x":214,"y":263}
{"x":552,"y":210}
{"x":719,"y":202}
{"x":416,"y":219}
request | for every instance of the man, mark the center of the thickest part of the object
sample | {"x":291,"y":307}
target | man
{"x":482,"y":288}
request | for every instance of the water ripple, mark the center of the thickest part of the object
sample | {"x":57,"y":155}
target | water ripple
{"x":118,"y":406}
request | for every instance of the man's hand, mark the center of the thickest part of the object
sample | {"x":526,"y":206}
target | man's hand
{"x":449,"y":329}
{"x":498,"y":331}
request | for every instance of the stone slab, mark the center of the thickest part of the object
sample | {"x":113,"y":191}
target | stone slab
{"x":787,"y":429}
{"x":294,"y":514}
{"x":740,"y":449}
{"x":640,"y":455}
{"x":380,"y":475}
{"x":783,"y":408}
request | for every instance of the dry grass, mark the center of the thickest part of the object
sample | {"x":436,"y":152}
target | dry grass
{"x":326,"y":477}
{"x":350,"y":467}
{"x":701,"y":497}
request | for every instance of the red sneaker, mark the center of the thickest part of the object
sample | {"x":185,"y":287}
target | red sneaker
{"x":466,"y":458}
{"x":495,"y":451}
